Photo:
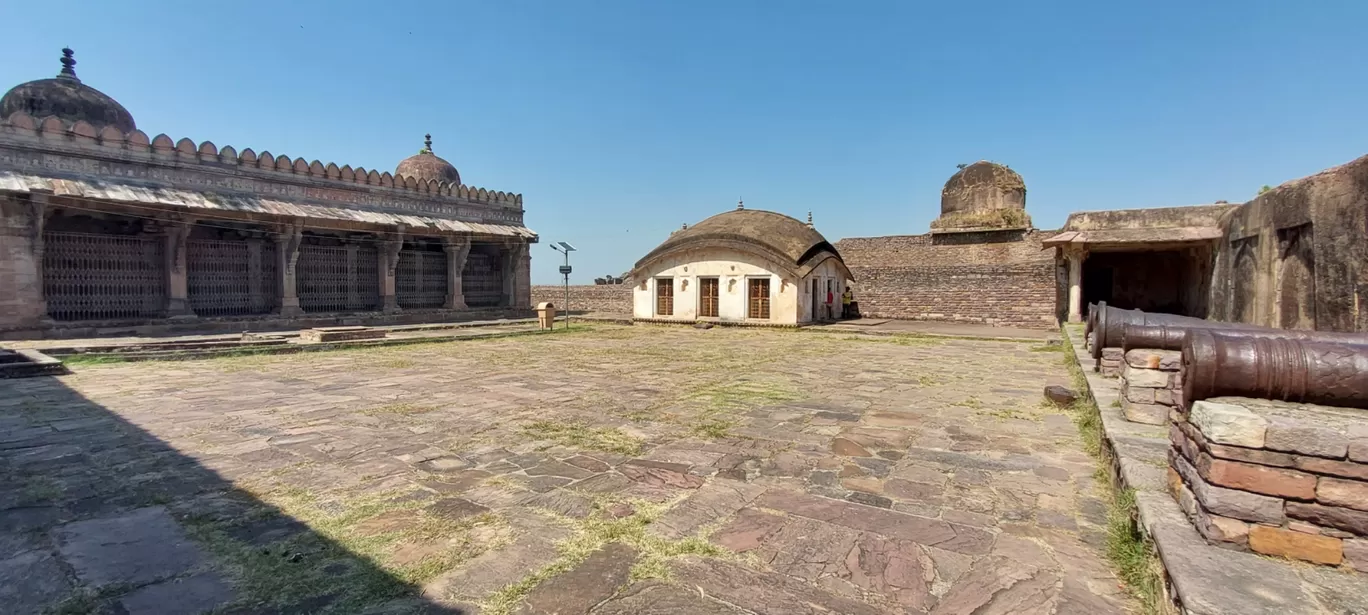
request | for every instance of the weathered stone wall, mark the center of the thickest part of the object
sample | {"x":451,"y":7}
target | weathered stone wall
{"x":21,"y":286}
{"x":997,"y":278}
{"x":588,"y":298}
{"x":1297,"y":256}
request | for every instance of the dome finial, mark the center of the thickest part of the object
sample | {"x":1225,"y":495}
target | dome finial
{"x":427,"y":144}
{"x":68,"y":64}
{"x":740,"y":204}
{"x":809,"y":218}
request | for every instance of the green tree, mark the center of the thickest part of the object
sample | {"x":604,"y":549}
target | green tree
{"x":1265,"y":188}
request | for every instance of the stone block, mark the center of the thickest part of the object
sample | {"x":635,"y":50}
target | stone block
{"x":1280,"y":482}
{"x":140,"y":547}
{"x":1113,"y":354}
{"x":1298,"y":437}
{"x":1340,"y":492}
{"x":584,"y":586}
{"x":1164,"y":396}
{"x":1228,"y":502}
{"x":1228,"y":424}
{"x":1356,"y":554}
{"x":1184,"y":445}
{"x":1138,"y":394}
{"x":1296,"y":545}
{"x":1149,"y":414}
{"x":1347,"y":519}
{"x":1347,"y":469}
{"x":1247,"y":455}
{"x":1223,"y":529}
{"x":1167,"y":360}
{"x":1139,"y":377}
{"x":1358,"y":450}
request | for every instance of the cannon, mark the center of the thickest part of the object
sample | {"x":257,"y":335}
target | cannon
{"x":1090,"y":319}
{"x":1172,"y":337}
{"x":1110,"y":321}
{"x":1219,"y":362}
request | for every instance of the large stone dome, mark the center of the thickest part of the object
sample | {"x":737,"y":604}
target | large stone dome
{"x":787,"y":242}
{"x":427,"y":165}
{"x":67,"y":98}
{"x":983,"y":186}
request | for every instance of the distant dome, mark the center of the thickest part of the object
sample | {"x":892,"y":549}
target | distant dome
{"x":426,"y":165}
{"x":67,"y":98}
{"x":983,"y":186}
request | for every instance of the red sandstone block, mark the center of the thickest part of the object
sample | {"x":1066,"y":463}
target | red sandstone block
{"x":1278,"y":482}
{"x":1296,"y":545}
{"x":1223,"y":529}
{"x":1340,"y":492}
{"x":1347,"y":469}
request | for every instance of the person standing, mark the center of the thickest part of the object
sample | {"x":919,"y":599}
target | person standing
{"x":846,"y":298}
{"x":829,"y":314}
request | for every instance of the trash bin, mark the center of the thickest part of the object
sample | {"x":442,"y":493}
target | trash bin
{"x":546,"y":314}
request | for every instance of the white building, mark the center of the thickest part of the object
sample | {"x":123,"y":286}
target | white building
{"x":746,"y":266}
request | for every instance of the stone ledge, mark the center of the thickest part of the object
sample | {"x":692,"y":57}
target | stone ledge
{"x":1204,"y":579}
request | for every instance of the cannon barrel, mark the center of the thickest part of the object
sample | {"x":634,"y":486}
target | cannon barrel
{"x":1090,"y":319}
{"x":1110,"y":321}
{"x":1218,"y":363}
{"x":1171,"y":337}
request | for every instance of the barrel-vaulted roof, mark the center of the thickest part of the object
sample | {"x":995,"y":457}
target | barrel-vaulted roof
{"x":796,"y":246}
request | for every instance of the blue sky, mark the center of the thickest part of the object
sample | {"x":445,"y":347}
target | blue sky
{"x":619,"y":120}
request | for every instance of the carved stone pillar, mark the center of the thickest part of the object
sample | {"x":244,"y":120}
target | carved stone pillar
{"x":1075,"y":256}
{"x":522,"y":275}
{"x":178,"y":282}
{"x":21,"y":260}
{"x":287,"y":250}
{"x":508,"y":270}
{"x":389,"y":265}
{"x":457,"y":249}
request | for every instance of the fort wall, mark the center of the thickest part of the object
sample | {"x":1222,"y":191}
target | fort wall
{"x":615,"y":299}
{"x":1002,"y":278}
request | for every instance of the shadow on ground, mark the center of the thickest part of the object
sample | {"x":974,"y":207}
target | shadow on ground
{"x":99,"y":516}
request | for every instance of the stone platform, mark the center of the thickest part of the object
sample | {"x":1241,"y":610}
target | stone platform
{"x":1202,"y":578}
{"x":341,"y":334}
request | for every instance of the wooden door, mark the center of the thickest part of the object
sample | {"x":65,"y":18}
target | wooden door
{"x":759,"y":304}
{"x":707,"y":297}
{"x":664,"y":296}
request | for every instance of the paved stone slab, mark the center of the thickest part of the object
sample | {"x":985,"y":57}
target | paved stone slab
{"x":189,"y":596}
{"x":762,"y":592}
{"x":658,"y":598}
{"x":141,"y":547}
{"x":712,"y":502}
{"x":32,"y":581}
{"x":922,"y":530}
{"x":586,"y":585}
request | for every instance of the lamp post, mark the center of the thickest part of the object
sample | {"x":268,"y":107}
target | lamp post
{"x":566,"y":249}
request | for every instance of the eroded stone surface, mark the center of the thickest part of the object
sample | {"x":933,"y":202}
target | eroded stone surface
{"x":589,"y":583}
{"x":141,"y":547}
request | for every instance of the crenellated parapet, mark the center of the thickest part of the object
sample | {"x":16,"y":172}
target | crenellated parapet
{"x":136,"y":146}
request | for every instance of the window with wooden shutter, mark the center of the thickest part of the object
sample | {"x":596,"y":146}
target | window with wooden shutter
{"x":759,"y":303}
{"x":707,"y":297}
{"x":664,"y":296}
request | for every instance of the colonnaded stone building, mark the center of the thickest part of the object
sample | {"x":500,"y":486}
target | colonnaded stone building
{"x":104,"y":228}
{"x":741,"y":266}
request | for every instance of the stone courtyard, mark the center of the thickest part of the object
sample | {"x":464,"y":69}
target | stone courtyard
{"x":606,"y":470}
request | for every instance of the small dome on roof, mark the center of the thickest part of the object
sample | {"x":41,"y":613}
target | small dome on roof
{"x":983,"y":186}
{"x":67,"y":98}
{"x":427,"y":165}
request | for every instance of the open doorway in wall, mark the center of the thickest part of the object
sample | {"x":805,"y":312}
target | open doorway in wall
{"x":816,"y":302}
{"x":1172,"y":281}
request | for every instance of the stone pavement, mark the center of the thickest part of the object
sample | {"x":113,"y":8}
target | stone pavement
{"x":610,"y":470}
{"x":950,"y":329}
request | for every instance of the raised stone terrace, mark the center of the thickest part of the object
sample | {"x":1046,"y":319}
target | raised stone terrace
{"x":606,"y":470}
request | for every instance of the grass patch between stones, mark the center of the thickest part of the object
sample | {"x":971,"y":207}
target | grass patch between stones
{"x":401,"y":409}
{"x":592,"y":534}
{"x":577,"y":434}
{"x":1131,"y":553}
{"x":346,"y":555}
